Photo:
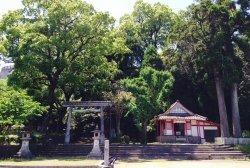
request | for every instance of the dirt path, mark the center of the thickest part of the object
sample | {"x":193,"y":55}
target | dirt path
{"x":132,"y":163}
{"x":183,"y":164}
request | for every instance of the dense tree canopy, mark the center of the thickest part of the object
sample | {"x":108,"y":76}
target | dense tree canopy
{"x":66,"y":50}
{"x":60,"y":50}
{"x":148,"y":25}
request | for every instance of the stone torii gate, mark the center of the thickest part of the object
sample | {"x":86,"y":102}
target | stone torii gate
{"x":97,"y":106}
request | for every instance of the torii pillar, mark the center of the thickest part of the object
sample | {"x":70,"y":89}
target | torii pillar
{"x":102,"y":125}
{"x":68,"y":128}
{"x":100,"y":105}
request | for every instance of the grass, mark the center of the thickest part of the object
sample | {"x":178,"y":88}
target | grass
{"x":244,"y":148}
{"x":125,"y":163}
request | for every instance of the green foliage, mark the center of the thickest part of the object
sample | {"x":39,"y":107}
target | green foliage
{"x":83,"y":123}
{"x":148,"y":25}
{"x":9,"y":139}
{"x":152,"y":59}
{"x":244,"y":148}
{"x":205,"y":43}
{"x":65,"y":50}
{"x":204,"y":35}
{"x":152,"y":22}
{"x":246,"y":134}
{"x":151,"y":92}
{"x":17,"y":109}
{"x":61,"y":51}
{"x":120,"y":100}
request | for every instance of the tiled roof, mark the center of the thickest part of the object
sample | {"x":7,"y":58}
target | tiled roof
{"x":178,"y":111}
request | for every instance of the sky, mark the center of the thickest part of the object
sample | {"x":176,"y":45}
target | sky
{"x":116,"y":8}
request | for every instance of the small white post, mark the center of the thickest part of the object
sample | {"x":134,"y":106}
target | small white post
{"x":106,"y":153}
{"x":67,"y":134}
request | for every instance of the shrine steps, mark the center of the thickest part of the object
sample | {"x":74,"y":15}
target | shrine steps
{"x":150,"y":151}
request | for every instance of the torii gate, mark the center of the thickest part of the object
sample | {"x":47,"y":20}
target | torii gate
{"x":97,"y":105}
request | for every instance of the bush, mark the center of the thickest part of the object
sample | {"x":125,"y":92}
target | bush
{"x":246,"y":134}
{"x":125,"y":139}
{"x":9,"y":139}
{"x":12,"y":139}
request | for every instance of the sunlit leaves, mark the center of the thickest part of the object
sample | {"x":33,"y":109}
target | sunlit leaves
{"x":151,"y":92}
{"x":16,"y":107}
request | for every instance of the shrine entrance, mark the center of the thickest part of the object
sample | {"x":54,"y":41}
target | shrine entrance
{"x":179,"y":129}
{"x":95,"y":106}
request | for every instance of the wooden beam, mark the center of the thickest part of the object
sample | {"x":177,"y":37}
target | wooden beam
{"x":95,"y":104}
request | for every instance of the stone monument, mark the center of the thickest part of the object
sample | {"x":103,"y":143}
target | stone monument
{"x":24,"y":151}
{"x":108,"y":162}
{"x":96,"y":151}
{"x":106,"y":153}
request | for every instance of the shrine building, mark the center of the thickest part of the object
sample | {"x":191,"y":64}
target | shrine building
{"x":178,"y":124}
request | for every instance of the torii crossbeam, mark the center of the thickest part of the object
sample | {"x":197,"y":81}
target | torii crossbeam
{"x":98,"y":105}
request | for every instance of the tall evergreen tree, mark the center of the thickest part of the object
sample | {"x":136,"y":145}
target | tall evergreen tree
{"x":205,"y":36}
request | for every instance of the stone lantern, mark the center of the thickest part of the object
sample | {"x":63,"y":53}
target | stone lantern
{"x":24,"y":151}
{"x":96,"y":151}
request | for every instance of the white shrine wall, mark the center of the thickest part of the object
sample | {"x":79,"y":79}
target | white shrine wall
{"x":194,"y":130}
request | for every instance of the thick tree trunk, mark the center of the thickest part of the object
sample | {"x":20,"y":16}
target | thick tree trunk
{"x":50,"y":101}
{"x":144,"y":140}
{"x":222,"y":106}
{"x":235,"y":111}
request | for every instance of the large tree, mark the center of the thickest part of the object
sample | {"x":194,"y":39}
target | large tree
{"x":151,"y":94}
{"x":60,"y":50}
{"x":148,"y":24}
{"x":205,"y":40}
{"x":120,"y":100}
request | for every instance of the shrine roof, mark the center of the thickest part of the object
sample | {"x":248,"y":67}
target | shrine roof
{"x":177,"y":110}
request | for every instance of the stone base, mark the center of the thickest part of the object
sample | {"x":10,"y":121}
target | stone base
{"x":95,"y":153}
{"x":232,"y":141}
{"x":24,"y":151}
{"x":25,"y":154}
